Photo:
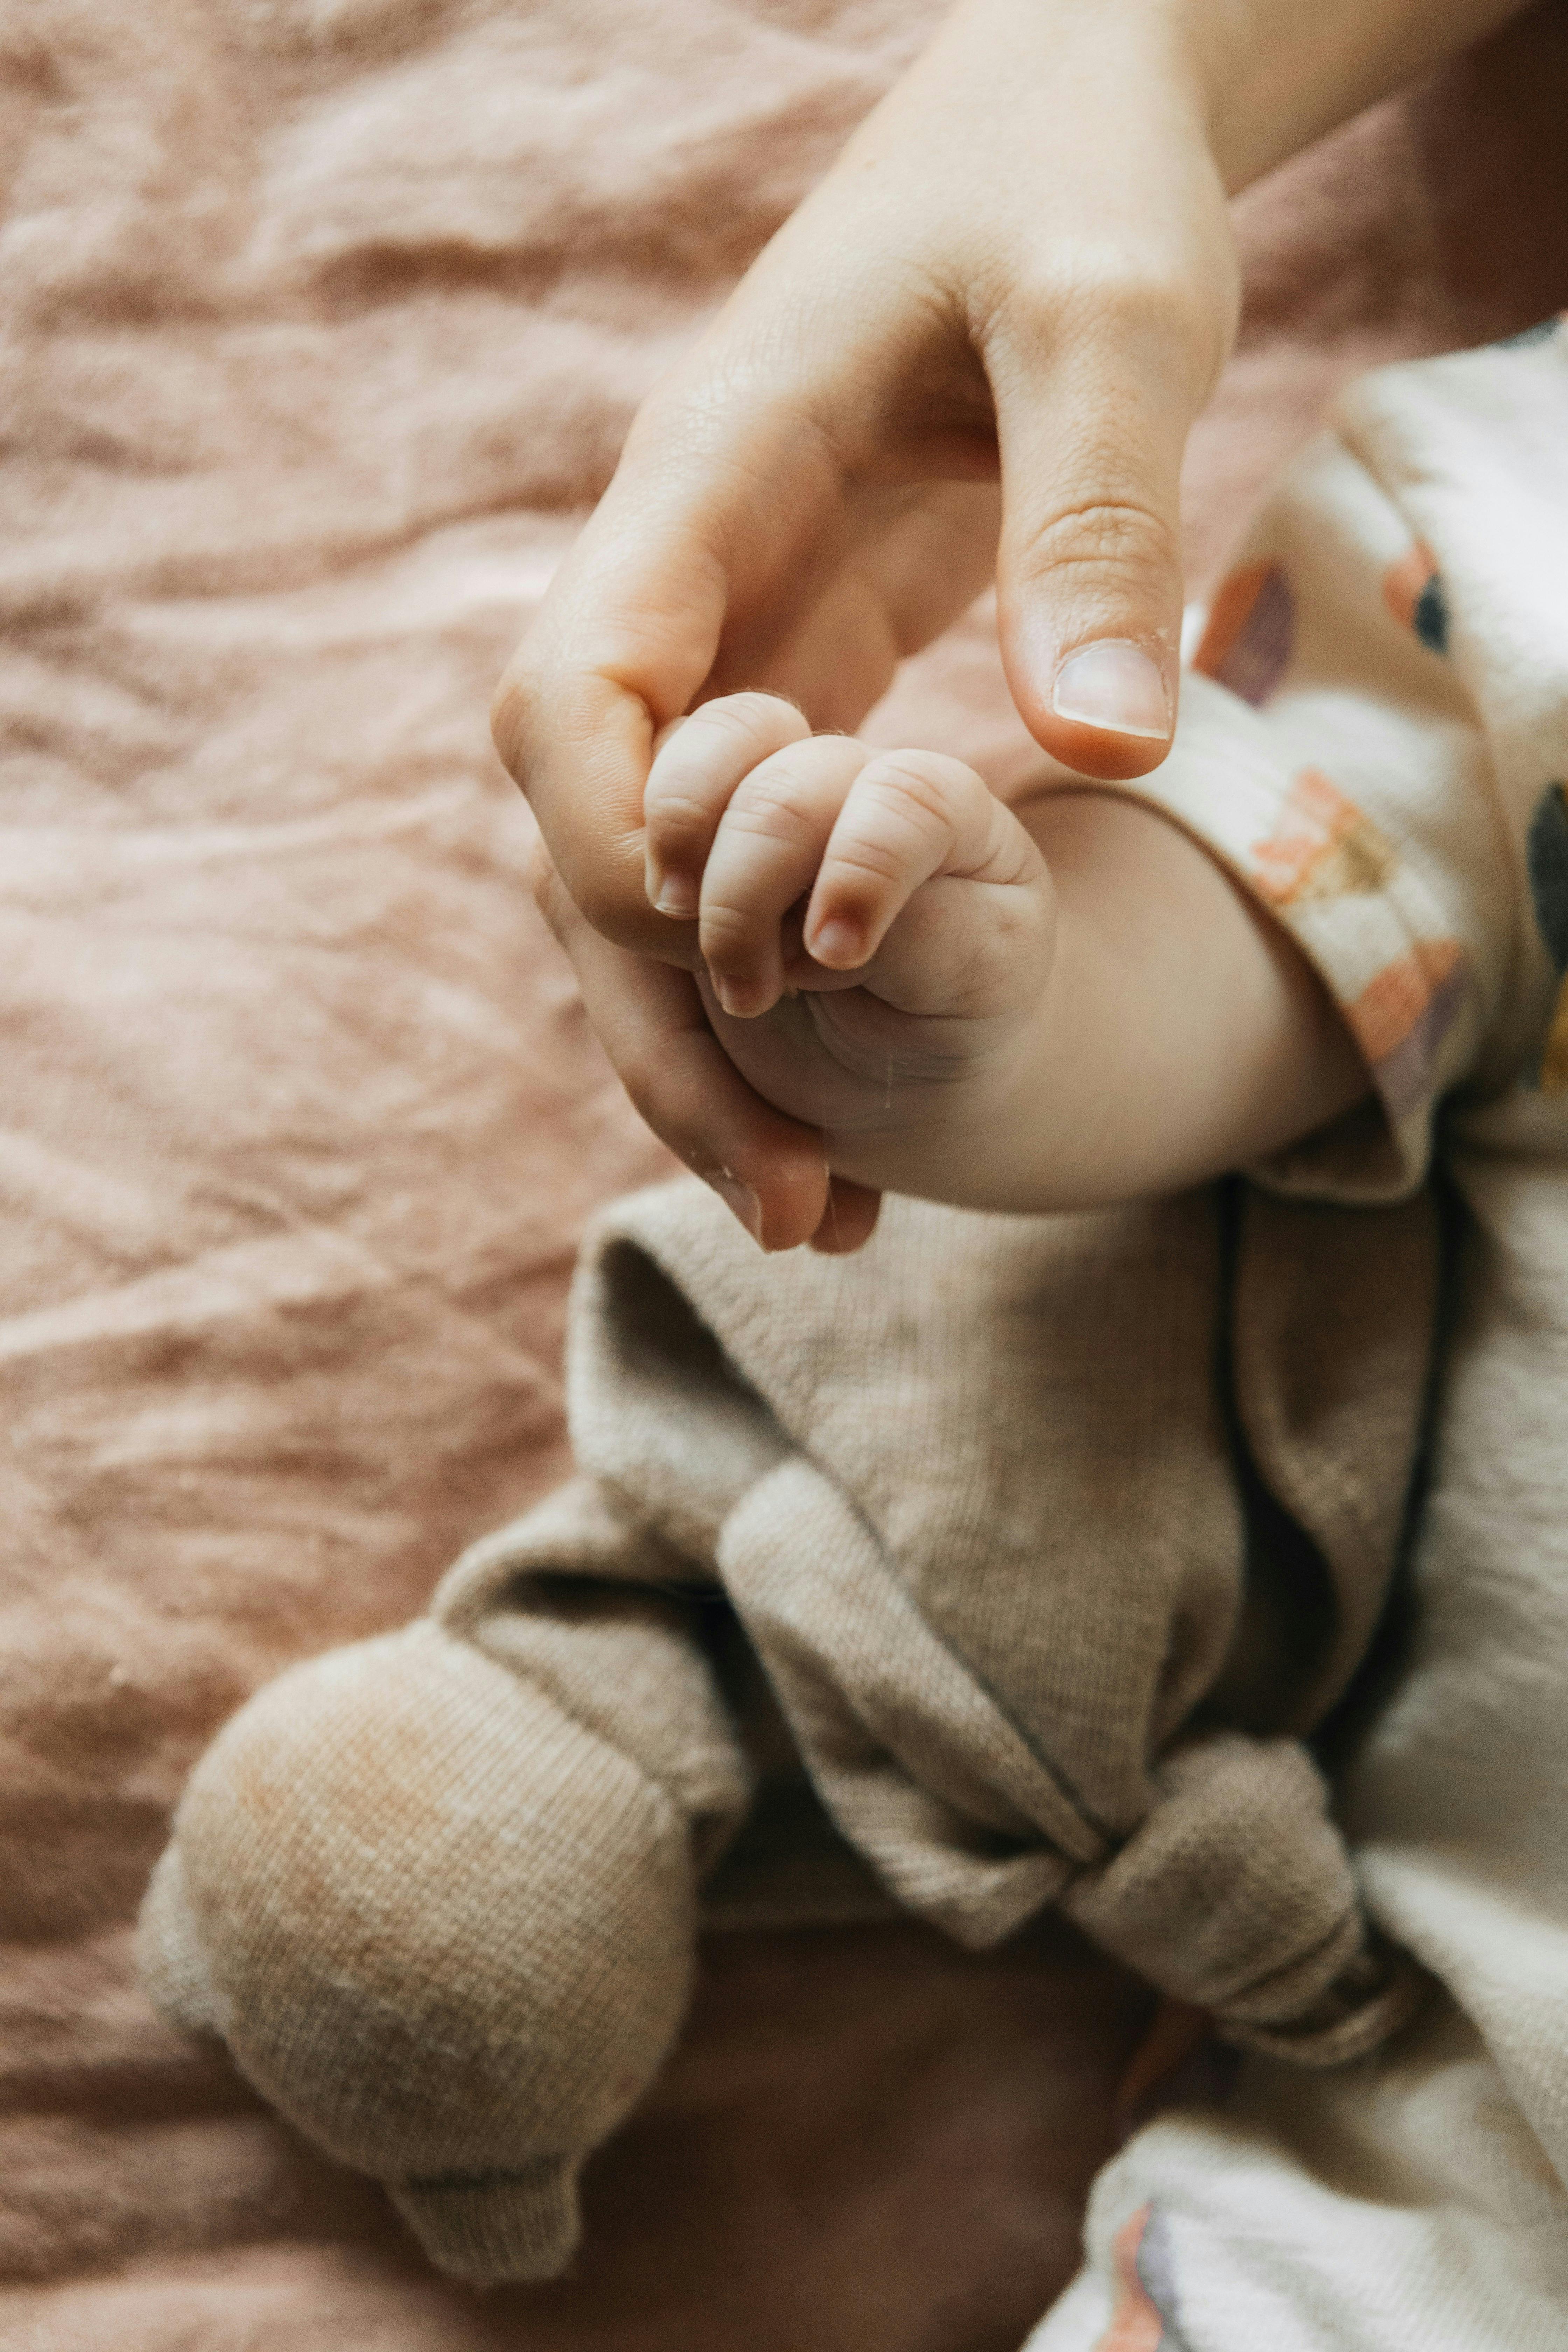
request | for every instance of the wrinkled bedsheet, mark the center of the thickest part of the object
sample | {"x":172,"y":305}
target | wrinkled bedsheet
{"x":321,"y":321}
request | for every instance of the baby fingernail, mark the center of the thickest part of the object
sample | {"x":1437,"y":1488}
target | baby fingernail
{"x":836,"y":942}
{"x":675,"y":895}
{"x":740,"y":1199}
{"x":1115,"y":686}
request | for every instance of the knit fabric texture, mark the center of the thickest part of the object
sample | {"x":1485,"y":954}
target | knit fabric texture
{"x":1052,"y":1539}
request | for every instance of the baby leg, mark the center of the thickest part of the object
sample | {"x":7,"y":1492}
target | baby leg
{"x":441,"y":1904}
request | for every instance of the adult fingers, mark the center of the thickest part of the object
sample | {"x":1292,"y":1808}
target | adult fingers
{"x":1095,"y":395}
{"x":689,"y":538}
{"x":848,"y":1220}
{"x":649,"y":1018}
{"x":577,"y":708}
{"x":912,"y":562}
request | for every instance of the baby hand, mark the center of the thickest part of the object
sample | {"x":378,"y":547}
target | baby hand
{"x":1035,"y":1009}
{"x":876,"y":928}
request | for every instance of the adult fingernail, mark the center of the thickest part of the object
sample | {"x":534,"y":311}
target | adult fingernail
{"x":1115,"y":686}
{"x":740,"y":1199}
{"x":675,"y":895}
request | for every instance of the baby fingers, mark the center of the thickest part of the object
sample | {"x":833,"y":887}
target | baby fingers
{"x":910,"y":817}
{"x":765,"y":855}
{"x":700,"y":761}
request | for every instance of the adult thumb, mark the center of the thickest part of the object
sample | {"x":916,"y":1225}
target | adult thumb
{"x":1089,"y":565}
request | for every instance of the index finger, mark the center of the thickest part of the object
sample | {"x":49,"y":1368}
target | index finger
{"x":623,"y":641}
{"x":705,"y":524}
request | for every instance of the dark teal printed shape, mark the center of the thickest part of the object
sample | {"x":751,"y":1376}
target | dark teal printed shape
{"x":1546,"y":861}
{"x":1430,"y":618}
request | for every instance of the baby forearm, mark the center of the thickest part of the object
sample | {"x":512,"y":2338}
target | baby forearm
{"x":1182,"y":1033}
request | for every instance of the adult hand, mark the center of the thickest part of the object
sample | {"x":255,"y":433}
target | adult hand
{"x":976,"y":351}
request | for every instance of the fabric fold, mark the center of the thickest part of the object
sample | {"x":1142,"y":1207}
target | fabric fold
{"x":976,"y":1527}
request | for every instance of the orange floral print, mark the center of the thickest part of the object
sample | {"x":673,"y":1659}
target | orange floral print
{"x":1552,"y":1073}
{"x":1401,"y":1018}
{"x":1322,"y":847}
{"x":1414,"y":592}
{"x":1136,"y":2324}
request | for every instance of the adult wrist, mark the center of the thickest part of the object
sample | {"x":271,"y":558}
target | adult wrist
{"x":1273,"y":75}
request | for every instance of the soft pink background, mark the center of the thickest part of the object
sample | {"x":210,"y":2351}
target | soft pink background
{"x":321,"y":320}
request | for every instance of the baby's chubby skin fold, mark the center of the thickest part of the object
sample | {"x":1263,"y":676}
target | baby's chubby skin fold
{"x":1018,"y":1009}
{"x":873,"y":928}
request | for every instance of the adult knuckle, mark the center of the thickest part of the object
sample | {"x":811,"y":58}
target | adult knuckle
{"x":545,"y":885}
{"x":1026,"y":311}
{"x":1093,"y":299}
{"x":514,"y":708}
{"x":1170,"y":318}
{"x":1045,"y":302}
{"x":1128,"y":293}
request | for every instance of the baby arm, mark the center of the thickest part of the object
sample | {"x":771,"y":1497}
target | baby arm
{"x":1019,"y":1009}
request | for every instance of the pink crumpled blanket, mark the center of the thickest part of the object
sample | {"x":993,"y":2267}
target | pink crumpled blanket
{"x":321,"y":320}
